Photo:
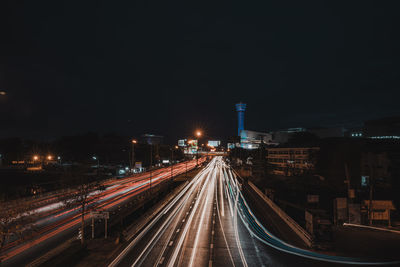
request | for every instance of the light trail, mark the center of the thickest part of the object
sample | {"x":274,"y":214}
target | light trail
{"x":210,"y":190}
{"x":188,"y":223}
{"x":256,"y":229}
{"x":118,"y":192}
{"x":185,"y":192}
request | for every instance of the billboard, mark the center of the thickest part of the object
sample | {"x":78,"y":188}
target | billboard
{"x":182,"y":142}
{"x":214,"y":143}
{"x":193,"y":144}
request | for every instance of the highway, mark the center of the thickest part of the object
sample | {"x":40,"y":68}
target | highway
{"x":210,"y":224}
{"x":54,"y":222}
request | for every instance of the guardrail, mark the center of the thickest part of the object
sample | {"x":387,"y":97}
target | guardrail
{"x":303,"y":234}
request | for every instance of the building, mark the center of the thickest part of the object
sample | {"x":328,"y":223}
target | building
{"x":292,"y":161}
{"x":283,"y":136}
{"x":327,"y":132}
{"x":252,"y":139}
{"x":386,"y":128}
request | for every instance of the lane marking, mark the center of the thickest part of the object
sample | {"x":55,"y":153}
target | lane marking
{"x":185,"y":230}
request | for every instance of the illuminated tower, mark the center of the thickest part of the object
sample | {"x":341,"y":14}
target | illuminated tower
{"x":240,"y":108}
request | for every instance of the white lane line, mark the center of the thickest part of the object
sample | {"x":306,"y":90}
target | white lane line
{"x":223,"y":233}
{"x":220,"y":193}
{"x":190,"y":186}
{"x":185,"y":230}
{"x":210,"y":190}
{"x":242,"y":257}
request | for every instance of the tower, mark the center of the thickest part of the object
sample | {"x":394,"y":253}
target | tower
{"x":240,"y":108}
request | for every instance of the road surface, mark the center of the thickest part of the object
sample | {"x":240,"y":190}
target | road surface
{"x":210,"y":224}
{"x":56,"y":223}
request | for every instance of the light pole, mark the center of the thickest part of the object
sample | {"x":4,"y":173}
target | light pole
{"x":98,"y":164}
{"x":151,"y":163}
{"x":133,"y":154}
{"x":172,"y":159}
{"x":198,"y":134}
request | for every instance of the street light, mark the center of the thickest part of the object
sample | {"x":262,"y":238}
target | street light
{"x":133,"y":154}
{"x":98,"y":164}
{"x":49,"y":157}
{"x":198,"y":134}
{"x":172,"y":159}
{"x":35,"y":157}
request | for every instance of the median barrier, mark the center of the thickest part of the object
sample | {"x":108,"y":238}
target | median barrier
{"x":300,"y":231}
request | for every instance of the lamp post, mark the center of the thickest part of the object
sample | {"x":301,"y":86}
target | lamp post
{"x":98,"y":164}
{"x":133,"y":154}
{"x":172,"y":159}
{"x":151,"y":163}
{"x":198,"y":134}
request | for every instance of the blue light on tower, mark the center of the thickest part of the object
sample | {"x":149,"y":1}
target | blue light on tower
{"x":240,"y":108}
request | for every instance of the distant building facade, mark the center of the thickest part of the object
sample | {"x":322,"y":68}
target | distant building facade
{"x":292,"y":161}
{"x":253,"y":139}
{"x":386,"y":128}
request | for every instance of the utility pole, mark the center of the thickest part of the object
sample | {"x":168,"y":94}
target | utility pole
{"x":371,"y":185}
{"x":151,"y":163}
{"x":133,"y":154}
{"x":172,"y":161}
{"x":349,"y":197}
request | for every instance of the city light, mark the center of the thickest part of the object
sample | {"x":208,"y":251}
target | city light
{"x":49,"y":157}
{"x":198,"y":133}
{"x":2,"y":93}
{"x":134,"y":141}
{"x":94,"y":158}
{"x":35,"y":157}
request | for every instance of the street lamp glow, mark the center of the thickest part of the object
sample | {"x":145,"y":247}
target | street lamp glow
{"x":134,"y":141}
{"x":198,"y":133}
{"x":176,"y":147}
{"x":35,"y":157}
{"x":49,"y":157}
{"x":2,"y":93}
{"x":94,"y":158}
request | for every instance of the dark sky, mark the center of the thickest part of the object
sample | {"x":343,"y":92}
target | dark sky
{"x":70,"y":67}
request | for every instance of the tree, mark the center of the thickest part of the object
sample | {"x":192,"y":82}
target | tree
{"x":85,"y":193}
{"x":16,"y":219}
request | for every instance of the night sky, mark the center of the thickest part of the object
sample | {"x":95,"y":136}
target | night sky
{"x":132,"y":68}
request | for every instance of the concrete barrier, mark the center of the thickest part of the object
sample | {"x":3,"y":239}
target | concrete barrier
{"x":300,"y":231}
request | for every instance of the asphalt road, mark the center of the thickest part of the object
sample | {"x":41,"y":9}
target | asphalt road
{"x":56,"y":223}
{"x":210,"y":224}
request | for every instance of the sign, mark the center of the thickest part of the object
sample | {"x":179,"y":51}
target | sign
{"x":312,"y":198}
{"x":138,"y":164}
{"x":182,"y":142}
{"x":100,"y":214}
{"x":193,"y":144}
{"x":364,"y":181}
{"x":214,"y":143}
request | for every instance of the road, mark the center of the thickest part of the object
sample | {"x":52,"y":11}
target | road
{"x":55,"y":222}
{"x":210,"y":224}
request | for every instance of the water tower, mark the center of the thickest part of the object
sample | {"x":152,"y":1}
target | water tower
{"x":240,"y":108}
